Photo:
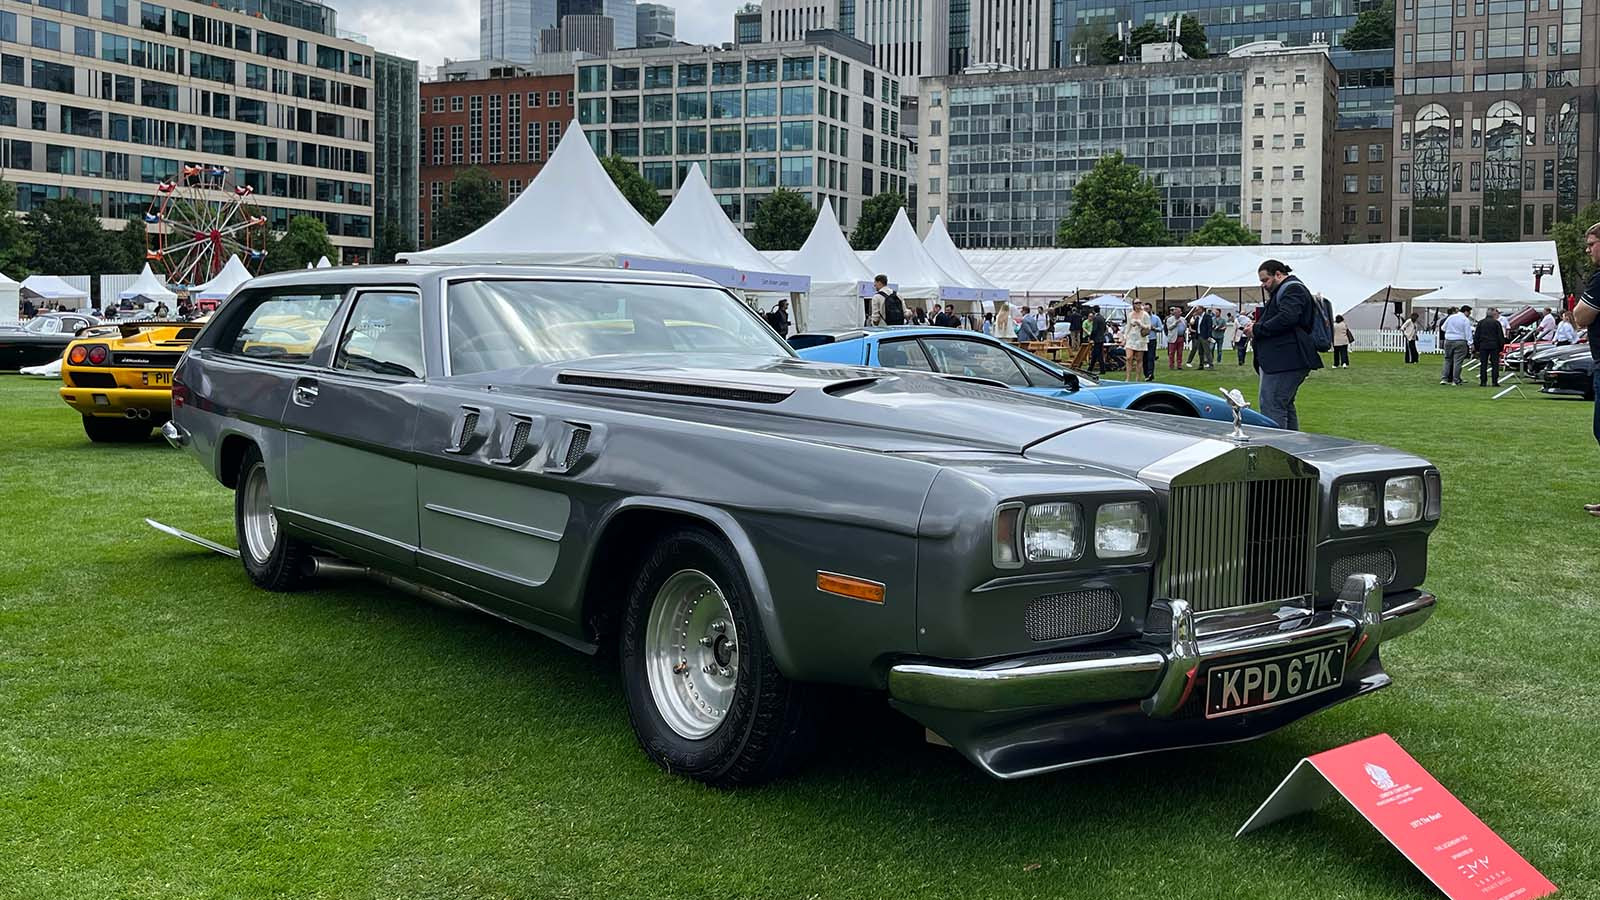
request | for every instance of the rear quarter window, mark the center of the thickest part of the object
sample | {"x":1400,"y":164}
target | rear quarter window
{"x":280,"y":326}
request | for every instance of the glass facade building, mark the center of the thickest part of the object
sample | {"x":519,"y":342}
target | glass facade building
{"x":396,"y":126}
{"x":509,"y":29}
{"x":814,"y":116}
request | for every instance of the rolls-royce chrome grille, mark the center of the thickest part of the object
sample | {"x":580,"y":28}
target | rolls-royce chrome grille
{"x":1240,"y":543}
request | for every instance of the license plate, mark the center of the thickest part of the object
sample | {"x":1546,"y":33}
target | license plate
{"x":158,"y":379}
{"x":1264,"y":683}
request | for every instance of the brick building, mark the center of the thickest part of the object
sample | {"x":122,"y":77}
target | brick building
{"x":508,"y":124}
{"x":1362,"y":191}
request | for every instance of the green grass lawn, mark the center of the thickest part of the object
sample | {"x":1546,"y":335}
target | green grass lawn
{"x":167,"y":730}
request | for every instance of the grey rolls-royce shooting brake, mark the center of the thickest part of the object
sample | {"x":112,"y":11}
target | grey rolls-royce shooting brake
{"x":635,"y":460}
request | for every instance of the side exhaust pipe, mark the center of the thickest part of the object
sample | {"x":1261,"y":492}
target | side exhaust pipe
{"x":328,"y":567}
{"x":130,"y":414}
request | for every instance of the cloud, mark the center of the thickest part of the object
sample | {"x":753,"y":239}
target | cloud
{"x":431,"y":31}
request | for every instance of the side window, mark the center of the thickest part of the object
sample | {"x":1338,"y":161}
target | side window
{"x":904,"y":354}
{"x":977,"y":360}
{"x":383,"y":336}
{"x":1039,"y":375}
{"x":281,"y":327}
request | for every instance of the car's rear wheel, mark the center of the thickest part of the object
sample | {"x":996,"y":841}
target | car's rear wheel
{"x":704,"y":695}
{"x":106,"y":430}
{"x":272,"y":559}
{"x":1165,"y":407}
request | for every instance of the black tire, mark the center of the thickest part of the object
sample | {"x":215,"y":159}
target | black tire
{"x":767,"y":730}
{"x":1166,"y":407}
{"x":284,"y":567}
{"x":106,"y":430}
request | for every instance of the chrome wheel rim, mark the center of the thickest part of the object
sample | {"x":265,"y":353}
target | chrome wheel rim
{"x":691,"y":654}
{"x":260,"y":525}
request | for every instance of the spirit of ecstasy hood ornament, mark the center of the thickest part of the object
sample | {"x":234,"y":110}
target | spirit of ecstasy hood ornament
{"x":1238,"y":404}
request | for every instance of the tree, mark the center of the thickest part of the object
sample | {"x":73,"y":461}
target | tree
{"x":1114,"y":205}
{"x":473,"y":200}
{"x":128,"y":247}
{"x":1568,"y":236}
{"x":643,"y":195}
{"x":67,"y":239}
{"x":877,"y":215}
{"x":1192,"y":37}
{"x":16,"y":243}
{"x":782,"y":222}
{"x":305,"y":242}
{"x":1222,"y":230}
{"x":391,"y":240}
{"x":1373,"y":30}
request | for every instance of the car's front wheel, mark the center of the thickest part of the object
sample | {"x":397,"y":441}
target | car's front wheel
{"x":704,"y":695}
{"x":272,"y":559}
{"x":1165,"y":407}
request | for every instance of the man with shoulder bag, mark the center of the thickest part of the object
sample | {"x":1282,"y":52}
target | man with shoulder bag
{"x":894,"y":309}
{"x":1285,"y":349}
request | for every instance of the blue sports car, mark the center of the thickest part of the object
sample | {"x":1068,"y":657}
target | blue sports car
{"x":973,"y":355}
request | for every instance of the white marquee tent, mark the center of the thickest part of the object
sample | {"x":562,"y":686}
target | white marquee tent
{"x":222,"y":286}
{"x":322,"y":263}
{"x":147,"y":287}
{"x":10,"y":301}
{"x":839,"y":279}
{"x":948,"y":256}
{"x":907,"y":264}
{"x":1480,"y":292}
{"x":50,"y":287}
{"x":570,"y":214}
{"x":695,"y":226}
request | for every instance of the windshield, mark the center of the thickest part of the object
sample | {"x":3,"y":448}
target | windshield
{"x":502,"y":324}
{"x":42,"y":325}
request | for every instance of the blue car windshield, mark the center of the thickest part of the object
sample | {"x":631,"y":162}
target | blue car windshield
{"x":500,"y":324}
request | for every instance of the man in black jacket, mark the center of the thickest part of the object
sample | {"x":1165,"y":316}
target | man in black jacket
{"x":1285,"y":353}
{"x":1489,"y":339}
{"x":1097,"y":341}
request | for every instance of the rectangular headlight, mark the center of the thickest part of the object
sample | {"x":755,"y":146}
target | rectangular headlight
{"x":1358,"y":505}
{"x":1052,"y":532}
{"x":1121,"y":529}
{"x":1403,"y":497}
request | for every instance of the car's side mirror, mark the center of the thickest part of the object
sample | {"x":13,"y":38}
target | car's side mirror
{"x":1071,"y":381}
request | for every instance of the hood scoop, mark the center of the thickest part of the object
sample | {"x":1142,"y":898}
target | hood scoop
{"x":676,"y":387}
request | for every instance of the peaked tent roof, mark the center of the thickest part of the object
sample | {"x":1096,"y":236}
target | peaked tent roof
{"x":945,"y":252}
{"x":52,"y":288}
{"x":232,"y":275}
{"x":1481,"y":290}
{"x":322,"y":263}
{"x":907,"y":264}
{"x":825,"y":256}
{"x":148,"y":286}
{"x":4,"y":280}
{"x":570,"y":214}
{"x":697,"y":228}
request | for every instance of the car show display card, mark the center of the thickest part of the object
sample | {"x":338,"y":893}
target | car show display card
{"x":1414,"y":812}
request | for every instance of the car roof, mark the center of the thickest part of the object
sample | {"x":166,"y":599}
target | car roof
{"x":415,"y":273}
{"x":882,"y":331}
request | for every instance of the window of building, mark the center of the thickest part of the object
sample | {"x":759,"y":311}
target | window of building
{"x":1277,"y":173}
{"x":1351,"y":184}
{"x":1299,"y":173}
{"x":1258,"y":111}
{"x":1374,"y":184}
{"x":1374,"y":153}
{"x":1298,"y":204}
{"x":933,"y":185}
{"x":1257,"y":142}
{"x":1300,"y":140}
{"x":1277,"y":108}
{"x":1349,"y":215}
{"x":934,"y":156}
{"x":46,"y":34}
{"x":935,"y":128}
{"x":1277,"y":142}
{"x":1352,"y":153}
{"x":1299,"y":109}
{"x":456,"y":105}
{"x":1374,"y":215}
{"x":552,"y":98}
{"x":535,"y":100}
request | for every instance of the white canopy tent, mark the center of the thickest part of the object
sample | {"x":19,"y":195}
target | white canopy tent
{"x":948,"y":256}
{"x":147,"y":287}
{"x":222,"y":286}
{"x":695,"y":226}
{"x":1212,"y":301}
{"x":10,"y":301}
{"x":1480,"y":292}
{"x":1108,"y":301}
{"x":840,"y":281}
{"x":322,"y":263}
{"x":570,"y":214}
{"x":49,"y":287}
{"x":1344,"y":287}
{"x":905,"y":262}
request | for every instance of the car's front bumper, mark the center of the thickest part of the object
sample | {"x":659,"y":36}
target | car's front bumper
{"x":1034,"y":714}
{"x":118,"y":401}
{"x":1576,"y":383}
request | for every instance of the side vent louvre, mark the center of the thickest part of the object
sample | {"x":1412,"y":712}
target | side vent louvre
{"x":518,"y":445}
{"x":580,"y":443}
{"x":466,"y":431}
{"x":519,"y":439}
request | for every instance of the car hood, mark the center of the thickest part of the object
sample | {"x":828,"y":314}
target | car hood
{"x":874,"y":409}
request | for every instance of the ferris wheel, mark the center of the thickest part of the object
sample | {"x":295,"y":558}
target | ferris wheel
{"x":198,"y":219}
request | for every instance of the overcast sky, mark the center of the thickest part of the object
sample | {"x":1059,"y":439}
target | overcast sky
{"x":429,"y":31}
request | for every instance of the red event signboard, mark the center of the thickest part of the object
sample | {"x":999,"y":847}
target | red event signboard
{"x":1425,"y":822}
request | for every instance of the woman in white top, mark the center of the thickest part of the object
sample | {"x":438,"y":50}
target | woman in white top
{"x":1135,"y":339}
{"x":1342,"y":339}
{"x":1565,"y":333}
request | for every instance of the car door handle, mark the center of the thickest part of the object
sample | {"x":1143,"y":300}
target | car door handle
{"x":305,"y":392}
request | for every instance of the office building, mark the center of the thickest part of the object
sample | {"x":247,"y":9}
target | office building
{"x":509,"y":29}
{"x":585,"y":34}
{"x":999,"y":153}
{"x":657,"y":25}
{"x":1495,"y":117}
{"x":508,"y":125}
{"x":1290,"y":99}
{"x":395,"y":153}
{"x":815,"y":116}
{"x":622,"y":13}
{"x":1362,"y":186}
{"x":103,"y":106}
{"x":747,"y":24}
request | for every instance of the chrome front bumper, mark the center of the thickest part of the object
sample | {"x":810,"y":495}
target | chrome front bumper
{"x":1161,"y":680}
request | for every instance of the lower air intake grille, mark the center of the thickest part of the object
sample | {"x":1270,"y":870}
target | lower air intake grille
{"x":1056,"y":616}
{"x":580,"y":442}
{"x":1374,"y":562}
